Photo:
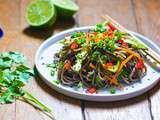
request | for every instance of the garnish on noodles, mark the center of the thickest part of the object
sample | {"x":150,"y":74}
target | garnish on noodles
{"x":105,"y":57}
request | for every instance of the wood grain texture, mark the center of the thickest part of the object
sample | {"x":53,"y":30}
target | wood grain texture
{"x":148,"y":18}
{"x":137,"y":15}
{"x":10,"y":27}
{"x":133,"y":109}
{"x":63,"y":107}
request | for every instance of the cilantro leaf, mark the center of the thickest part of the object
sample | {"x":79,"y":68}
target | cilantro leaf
{"x":100,"y":28}
{"x":14,"y":74}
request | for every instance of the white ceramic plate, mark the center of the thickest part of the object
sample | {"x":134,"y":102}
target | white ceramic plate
{"x":45,"y":55}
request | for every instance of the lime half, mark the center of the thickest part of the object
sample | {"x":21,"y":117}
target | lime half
{"x":65,"y":8}
{"x":41,"y":13}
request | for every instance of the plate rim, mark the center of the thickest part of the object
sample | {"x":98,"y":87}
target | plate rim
{"x":91,"y":97}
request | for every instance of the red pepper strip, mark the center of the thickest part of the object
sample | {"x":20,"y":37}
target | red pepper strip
{"x":125,"y":44}
{"x":112,"y":27}
{"x":67,"y":65}
{"x":91,"y":90}
{"x":120,"y":41}
{"x":140,"y":64}
{"x":107,"y":65}
{"x":73,"y":45}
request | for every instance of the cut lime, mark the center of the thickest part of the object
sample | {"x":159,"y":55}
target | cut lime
{"x":41,"y":13}
{"x":65,"y":8}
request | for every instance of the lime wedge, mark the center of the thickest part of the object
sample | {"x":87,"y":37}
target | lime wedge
{"x":41,"y":13}
{"x":65,"y":8}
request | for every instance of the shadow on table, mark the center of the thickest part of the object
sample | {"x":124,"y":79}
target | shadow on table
{"x":44,"y":33}
{"x":155,"y":89}
{"x":61,"y":25}
{"x":53,"y":93}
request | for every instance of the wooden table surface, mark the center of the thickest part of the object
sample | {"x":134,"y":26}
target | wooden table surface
{"x":142,"y":16}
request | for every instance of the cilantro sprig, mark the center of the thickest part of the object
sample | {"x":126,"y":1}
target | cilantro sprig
{"x":14,"y":75}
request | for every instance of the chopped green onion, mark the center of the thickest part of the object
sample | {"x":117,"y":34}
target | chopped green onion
{"x":112,"y":90}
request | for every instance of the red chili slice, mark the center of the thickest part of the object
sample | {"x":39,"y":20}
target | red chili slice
{"x":67,"y":65}
{"x":91,"y":90}
{"x":139,"y":65}
{"x":107,"y":65}
{"x":73,"y":45}
{"x":112,"y":27}
{"x":124,"y":44}
{"x":120,"y":41}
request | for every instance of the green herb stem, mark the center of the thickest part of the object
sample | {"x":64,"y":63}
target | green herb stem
{"x":37,"y":104}
{"x":30,"y":97}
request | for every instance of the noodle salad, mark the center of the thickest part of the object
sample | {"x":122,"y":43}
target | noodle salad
{"x":104,"y":57}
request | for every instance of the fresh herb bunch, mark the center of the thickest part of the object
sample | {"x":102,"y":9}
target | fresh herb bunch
{"x":14,"y":74}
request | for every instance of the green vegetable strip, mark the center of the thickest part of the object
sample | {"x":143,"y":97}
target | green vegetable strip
{"x":29,"y":97}
{"x":37,"y":104}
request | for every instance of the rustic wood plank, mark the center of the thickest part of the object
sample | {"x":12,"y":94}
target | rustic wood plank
{"x":133,"y":109}
{"x":9,"y":14}
{"x":28,"y":40}
{"x":91,"y":12}
{"x":63,"y":107}
{"x":10,"y":26}
{"x":148,"y":18}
